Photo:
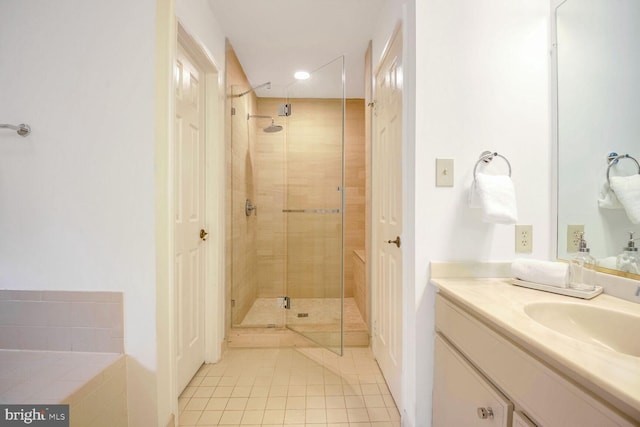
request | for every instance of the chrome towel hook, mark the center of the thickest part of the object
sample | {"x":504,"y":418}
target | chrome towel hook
{"x":486,"y":157}
{"x":21,"y":129}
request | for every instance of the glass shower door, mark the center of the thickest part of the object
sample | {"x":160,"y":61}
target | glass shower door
{"x":314,"y":206}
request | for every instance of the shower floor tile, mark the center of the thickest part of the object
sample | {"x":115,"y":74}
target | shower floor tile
{"x":320,"y":312}
{"x":307,"y":386}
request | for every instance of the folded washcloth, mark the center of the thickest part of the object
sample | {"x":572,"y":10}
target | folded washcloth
{"x":627,"y":189}
{"x":496,"y":196}
{"x":544,"y":272}
{"x":608,"y":199}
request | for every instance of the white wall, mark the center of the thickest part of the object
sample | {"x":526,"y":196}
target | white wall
{"x":77,"y":195}
{"x":482,"y":84}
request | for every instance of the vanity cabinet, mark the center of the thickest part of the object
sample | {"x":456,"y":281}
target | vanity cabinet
{"x":478,"y":367}
{"x":462,"y":396}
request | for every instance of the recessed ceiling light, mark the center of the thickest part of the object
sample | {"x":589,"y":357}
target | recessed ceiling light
{"x":302,"y":75}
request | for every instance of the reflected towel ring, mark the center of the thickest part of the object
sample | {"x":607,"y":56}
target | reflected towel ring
{"x":614,"y":159}
{"x":486,"y":157}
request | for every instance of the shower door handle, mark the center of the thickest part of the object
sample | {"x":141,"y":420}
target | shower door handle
{"x":396,"y":242}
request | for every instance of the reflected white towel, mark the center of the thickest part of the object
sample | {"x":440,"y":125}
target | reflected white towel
{"x":608,"y":199}
{"x":627,"y":189}
{"x":496,"y":195}
{"x":544,"y":272}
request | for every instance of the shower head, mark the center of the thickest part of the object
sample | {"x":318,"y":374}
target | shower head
{"x":273,"y":127}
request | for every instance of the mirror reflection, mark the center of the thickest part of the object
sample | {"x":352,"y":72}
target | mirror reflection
{"x":598,"y":83}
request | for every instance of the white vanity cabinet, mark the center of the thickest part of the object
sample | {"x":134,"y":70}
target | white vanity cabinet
{"x":478,"y":367}
{"x":462,"y":396}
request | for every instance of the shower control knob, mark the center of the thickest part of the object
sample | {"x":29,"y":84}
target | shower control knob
{"x":203,"y":234}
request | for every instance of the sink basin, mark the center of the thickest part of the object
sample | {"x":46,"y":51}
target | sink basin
{"x":614,"y":330}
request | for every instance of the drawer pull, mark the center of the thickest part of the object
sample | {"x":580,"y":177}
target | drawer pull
{"x":484,"y":413}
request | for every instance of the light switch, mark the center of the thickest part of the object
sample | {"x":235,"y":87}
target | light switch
{"x":444,"y":172}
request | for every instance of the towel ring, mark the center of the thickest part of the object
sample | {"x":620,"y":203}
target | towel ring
{"x":613,"y":160}
{"x":486,"y":157}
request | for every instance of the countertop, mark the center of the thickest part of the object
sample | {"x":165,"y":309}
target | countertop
{"x":613,"y":376}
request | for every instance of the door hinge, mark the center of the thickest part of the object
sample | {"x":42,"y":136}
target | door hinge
{"x":233,"y":303}
{"x":233,"y":111}
{"x":284,"y":302}
{"x":284,"y":110}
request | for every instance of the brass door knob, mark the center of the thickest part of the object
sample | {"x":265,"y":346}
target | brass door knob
{"x":203,"y":234}
{"x":396,"y":242}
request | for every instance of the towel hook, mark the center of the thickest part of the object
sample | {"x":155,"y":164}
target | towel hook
{"x":22,"y":129}
{"x":486,"y":157}
{"x":613,"y":159}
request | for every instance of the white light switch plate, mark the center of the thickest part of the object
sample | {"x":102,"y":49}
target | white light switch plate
{"x":444,"y":172}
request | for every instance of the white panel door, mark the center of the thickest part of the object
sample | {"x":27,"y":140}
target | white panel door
{"x":387,"y":217}
{"x":521,"y":420}
{"x":190,"y":216}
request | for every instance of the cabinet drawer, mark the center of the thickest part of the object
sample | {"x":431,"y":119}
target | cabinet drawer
{"x":550,"y":399}
{"x":462,"y":396}
{"x":520,"y":420}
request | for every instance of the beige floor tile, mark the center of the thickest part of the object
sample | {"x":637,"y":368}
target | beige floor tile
{"x":260,"y":391}
{"x":315,"y":390}
{"x":241,"y":391}
{"x":316,"y":402}
{"x":294,"y":416}
{"x":354,"y":401}
{"x":189,"y":418}
{"x":278,"y":390}
{"x":378,"y":414}
{"x":203,"y":391}
{"x":297,"y":390}
{"x":246,"y":380}
{"x":277,"y":402}
{"x":333,"y":390}
{"x":182,"y":403}
{"x":197,"y":404}
{"x":188,"y":391}
{"x":374,"y":401}
{"x":195,"y":381}
{"x":236,"y":404}
{"x":296,"y":402}
{"x":337,"y":415}
{"x":263,"y":380}
{"x":273,"y":416}
{"x":210,"y":418}
{"x":256,"y":403}
{"x":222,"y":391}
{"x":231,"y":417}
{"x":368,"y":389}
{"x":210,"y":381}
{"x":357,"y":415}
{"x":252,"y":417}
{"x":335,"y":402}
{"x":314,"y":416}
{"x":228,"y":381}
{"x":217,"y":404}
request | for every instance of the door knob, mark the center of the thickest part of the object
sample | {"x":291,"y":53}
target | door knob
{"x":203,"y":234}
{"x":397,"y":241}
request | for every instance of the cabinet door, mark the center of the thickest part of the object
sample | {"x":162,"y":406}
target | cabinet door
{"x":521,"y":420}
{"x":462,"y":396}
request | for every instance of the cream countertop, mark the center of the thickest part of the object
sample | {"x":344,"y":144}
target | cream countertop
{"x":615,"y":377}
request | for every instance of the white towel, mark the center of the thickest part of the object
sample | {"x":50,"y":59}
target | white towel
{"x":496,"y":196}
{"x":608,"y":199}
{"x":544,"y":272}
{"x":627,"y":189}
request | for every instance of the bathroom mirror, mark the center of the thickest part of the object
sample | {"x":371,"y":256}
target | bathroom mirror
{"x":597,"y":46}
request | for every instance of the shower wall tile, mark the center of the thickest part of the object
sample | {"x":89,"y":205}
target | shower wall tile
{"x":61,"y":321}
{"x":308,"y":170}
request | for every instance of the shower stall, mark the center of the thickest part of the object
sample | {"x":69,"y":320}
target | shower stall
{"x":287,"y":198}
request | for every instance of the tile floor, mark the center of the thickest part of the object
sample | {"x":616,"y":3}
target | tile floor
{"x":289,"y":387}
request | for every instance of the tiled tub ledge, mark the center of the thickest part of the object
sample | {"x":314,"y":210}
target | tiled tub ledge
{"x":92,"y":384}
{"x":65,"y":347}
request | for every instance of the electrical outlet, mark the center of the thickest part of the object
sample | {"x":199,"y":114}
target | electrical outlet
{"x":524,"y":238}
{"x":573,"y":237}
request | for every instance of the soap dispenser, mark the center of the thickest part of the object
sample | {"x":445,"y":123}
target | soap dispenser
{"x":629,"y":260}
{"x":582,"y":268}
